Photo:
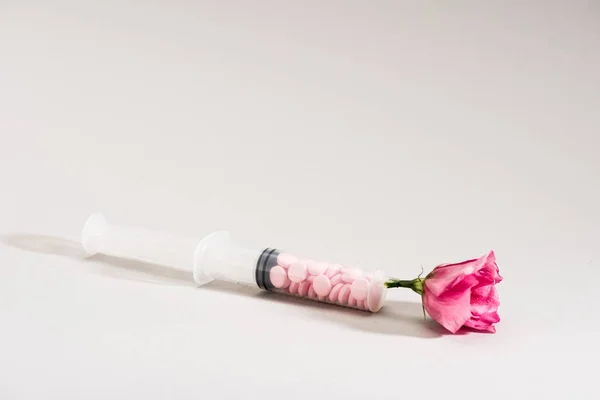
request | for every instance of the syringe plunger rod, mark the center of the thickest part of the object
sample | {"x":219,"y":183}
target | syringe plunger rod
{"x":98,"y":236}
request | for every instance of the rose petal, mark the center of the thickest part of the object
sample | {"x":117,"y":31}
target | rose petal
{"x":451,"y":313}
{"x":480,"y":325}
{"x":444,"y":275}
{"x":484,"y":307}
{"x":489,"y":274}
{"x":458,"y":287}
{"x":485,"y":296}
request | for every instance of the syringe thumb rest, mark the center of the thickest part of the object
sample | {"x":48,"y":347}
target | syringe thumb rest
{"x":183,"y":253}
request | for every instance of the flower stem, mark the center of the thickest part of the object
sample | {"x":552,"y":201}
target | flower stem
{"x":395,"y":283}
{"x":416,"y":284}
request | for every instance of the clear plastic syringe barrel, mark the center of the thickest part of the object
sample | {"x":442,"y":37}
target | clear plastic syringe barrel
{"x":321,"y":281}
{"x":217,"y":257}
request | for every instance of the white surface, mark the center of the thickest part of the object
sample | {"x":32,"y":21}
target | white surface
{"x":361,"y":132}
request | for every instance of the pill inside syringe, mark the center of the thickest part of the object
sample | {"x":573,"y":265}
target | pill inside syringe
{"x":317,"y":280}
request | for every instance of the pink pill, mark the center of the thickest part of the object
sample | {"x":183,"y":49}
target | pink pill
{"x":297,"y":272}
{"x":322,"y":285}
{"x":335,"y":292}
{"x":303,"y":288}
{"x":311,"y":292}
{"x":317,"y":268}
{"x":350,"y":276}
{"x":376,"y":297}
{"x":346,"y":268}
{"x":344,"y":294}
{"x":308,"y":262}
{"x":360,"y":289}
{"x":287,"y":284}
{"x":285,"y":259}
{"x":310,"y":278}
{"x":278,"y":276}
{"x":336,"y":279}
{"x":293,"y":289}
{"x":366,"y":304}
{"x":333,"y":270}
{"x":351,"y":301}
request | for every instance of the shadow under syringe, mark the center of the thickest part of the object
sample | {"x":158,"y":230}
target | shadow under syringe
{"x":400,"y":318}
{"x":395,"y":318}
{"x":116,"y":267}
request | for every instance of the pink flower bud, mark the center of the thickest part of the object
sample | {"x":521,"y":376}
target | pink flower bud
{"x":464,"y":294}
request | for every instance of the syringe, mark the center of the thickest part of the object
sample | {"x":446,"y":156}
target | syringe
{"x":217,"y":257}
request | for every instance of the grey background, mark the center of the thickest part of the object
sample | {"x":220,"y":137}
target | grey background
{"x":383,"y":134}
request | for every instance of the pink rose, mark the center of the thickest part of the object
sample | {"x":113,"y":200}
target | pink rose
{"x":464,"y":294}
